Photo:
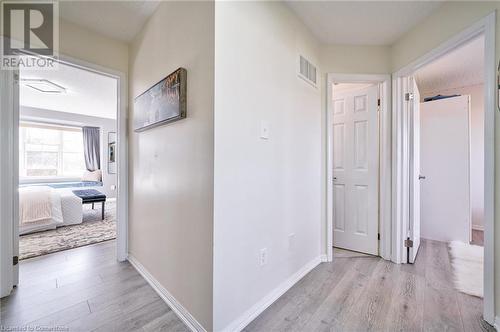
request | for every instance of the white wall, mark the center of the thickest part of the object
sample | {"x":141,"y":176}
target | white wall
{"x":355,"y":59}
{"x":477,"y":146}
{"x":171,"y":166}
{"x":265,"y":190}
{"x":80,"y":43}
{"x":105,"y":125}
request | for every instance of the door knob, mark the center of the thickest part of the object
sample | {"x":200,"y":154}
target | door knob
{"x":421,"y":177}
{"x":334,"y":178}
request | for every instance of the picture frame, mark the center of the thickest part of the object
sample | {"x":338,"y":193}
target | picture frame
{"x":163,"y":103}
{"x":112,"y":152}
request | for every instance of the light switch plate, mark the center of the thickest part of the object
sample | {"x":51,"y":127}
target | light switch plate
{"x":264,"y":130}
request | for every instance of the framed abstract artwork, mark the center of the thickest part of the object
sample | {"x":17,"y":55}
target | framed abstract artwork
{"x":163,"y":103}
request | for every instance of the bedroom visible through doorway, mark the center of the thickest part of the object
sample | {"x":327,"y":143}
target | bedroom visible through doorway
{"x":450,"y":151}
{"x":67,"y":159}
{"x":444,"y":109}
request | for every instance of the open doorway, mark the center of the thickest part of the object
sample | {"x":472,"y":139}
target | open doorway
{"x":22,"y":121}
{"x":452,"y":145}
{"x":355,"y":167}
{"x":444,"y":128}
{"x":450,"y":167}
{"x":358,"y":160}
{"x":67,"y":159}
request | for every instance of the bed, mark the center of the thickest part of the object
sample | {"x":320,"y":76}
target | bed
{"x":43,"y":207}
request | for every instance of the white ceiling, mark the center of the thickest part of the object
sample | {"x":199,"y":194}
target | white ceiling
{"x":120,"y":20}
{"x":333,"y":22}
{"x":361,"y":22}
{"x":87,"y":93}
{"x":462,"y":67}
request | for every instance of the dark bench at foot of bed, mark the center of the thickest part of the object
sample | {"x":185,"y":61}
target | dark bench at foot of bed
{"x":91,"y":196}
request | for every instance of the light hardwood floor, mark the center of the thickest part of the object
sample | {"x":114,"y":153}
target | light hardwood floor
{"x":86,"y":289}
{"x":370,"y":294}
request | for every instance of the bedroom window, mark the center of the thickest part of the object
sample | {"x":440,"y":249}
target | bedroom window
{"x":50,"y":151}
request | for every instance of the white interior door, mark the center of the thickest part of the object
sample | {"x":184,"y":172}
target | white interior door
{"x":414,"y":170}
{"x":355,"y":169}
{"x":445,"y":163}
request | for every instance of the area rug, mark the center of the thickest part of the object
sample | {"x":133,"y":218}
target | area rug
{"x":91,"y":230}
{"x":467,"y":263}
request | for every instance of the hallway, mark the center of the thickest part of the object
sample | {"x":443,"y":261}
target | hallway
{"x":370,"y":294}
{"x":86,"y":289}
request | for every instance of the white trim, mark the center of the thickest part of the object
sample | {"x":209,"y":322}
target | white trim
{"x":497,"y":323}
{"x":47,"y":179}
{"x":246,"y":318}
{"x":7,"y":181}
{"x":490,"y":91}
{"x":449,"y":45}
{"x":169,"y":299}
{"x":484,"y":26}
{"x":15,"y":178}
{"x":384,"y":160}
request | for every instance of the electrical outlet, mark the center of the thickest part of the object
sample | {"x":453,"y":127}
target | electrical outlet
{"x":263,"y":257}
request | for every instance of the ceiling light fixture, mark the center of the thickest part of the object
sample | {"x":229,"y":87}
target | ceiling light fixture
{"x":43,"y":85}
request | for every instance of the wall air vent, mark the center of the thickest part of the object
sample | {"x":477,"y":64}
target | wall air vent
{"x":307,"y":71}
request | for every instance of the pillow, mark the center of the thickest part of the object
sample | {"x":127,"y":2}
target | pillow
{"x":94,"y":176}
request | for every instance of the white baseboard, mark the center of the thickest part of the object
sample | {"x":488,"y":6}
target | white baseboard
{"x":323,"y":258}
{"x":179,"y":310}
{"x":497,"y":323}
{"x":241,"y":322}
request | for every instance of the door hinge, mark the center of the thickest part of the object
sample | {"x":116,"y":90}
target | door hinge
{"x":15,"y":260}
{"x":16,"y":78}
{"x":378,"y":236}
{"x":378,"y":102}
{"x":408,"y":243}
{"x":408,"y":96}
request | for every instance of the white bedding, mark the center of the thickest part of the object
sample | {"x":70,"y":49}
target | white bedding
{"x":66,"y":210}
{"x":71,"y":206}
{"x":35,"y":204}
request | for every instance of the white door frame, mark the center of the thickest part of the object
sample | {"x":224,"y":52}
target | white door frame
{"x":384,"y":201}
{"x":8,"y":183}
{"x":485,"y":26}
{"x":10,"y":170}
